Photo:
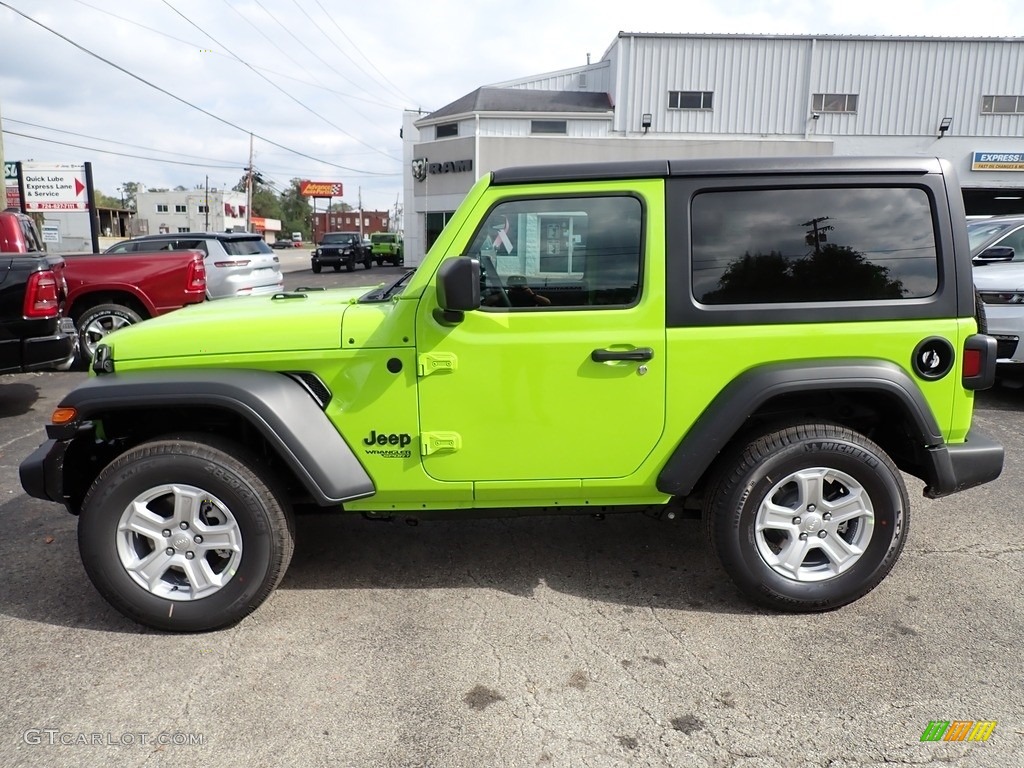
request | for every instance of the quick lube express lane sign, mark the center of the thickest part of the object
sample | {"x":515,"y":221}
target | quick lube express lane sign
{"x":998,"y":161}
{"x":54,"y":187}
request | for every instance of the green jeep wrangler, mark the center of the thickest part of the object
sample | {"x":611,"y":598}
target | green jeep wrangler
{"x":387,"y":247}
{"x":769,"y":342}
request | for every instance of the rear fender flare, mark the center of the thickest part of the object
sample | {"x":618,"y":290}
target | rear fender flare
{"x":726,"y":414}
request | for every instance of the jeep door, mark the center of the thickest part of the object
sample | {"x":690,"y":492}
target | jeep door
{"x":560,"y":375}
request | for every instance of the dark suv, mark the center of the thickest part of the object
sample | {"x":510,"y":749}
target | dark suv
{"x":341,"y":248}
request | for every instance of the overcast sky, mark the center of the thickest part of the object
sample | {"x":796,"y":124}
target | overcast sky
{"x":327,"y":80}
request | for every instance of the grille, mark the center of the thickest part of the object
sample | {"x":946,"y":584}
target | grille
{"x":1006,"y":346}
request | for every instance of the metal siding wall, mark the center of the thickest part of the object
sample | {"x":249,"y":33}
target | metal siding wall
{"x":520,"y":126}
{"x":905,"y":87}
{"x":758,"y":85}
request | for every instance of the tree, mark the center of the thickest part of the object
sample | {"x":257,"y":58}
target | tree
{"x":130,"y":191}
{"x":106,"y":201}
{"x":295,"y":210}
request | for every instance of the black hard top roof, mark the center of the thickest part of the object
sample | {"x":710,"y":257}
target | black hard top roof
{"x":732,"y":166}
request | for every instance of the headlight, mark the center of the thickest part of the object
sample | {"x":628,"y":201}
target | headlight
{"x":1002,"y":297}
{"x":317,"y":251}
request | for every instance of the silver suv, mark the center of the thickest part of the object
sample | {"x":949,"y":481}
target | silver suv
{"x":237,"y":263}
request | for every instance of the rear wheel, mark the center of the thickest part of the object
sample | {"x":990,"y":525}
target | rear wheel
{"x":97,"y":322}
{"x":808,"y":518}
{"x":180,"y":534}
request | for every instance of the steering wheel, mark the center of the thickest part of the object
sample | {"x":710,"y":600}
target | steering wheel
{"x":488,"y":267}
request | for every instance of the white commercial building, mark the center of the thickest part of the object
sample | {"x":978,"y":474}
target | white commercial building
{"x":655,"y":96}
{"x":193,"y":210}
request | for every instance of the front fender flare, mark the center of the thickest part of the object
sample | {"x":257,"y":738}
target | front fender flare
{"x":280,"y":408}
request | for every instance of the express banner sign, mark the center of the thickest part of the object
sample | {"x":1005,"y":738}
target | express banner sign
{"x":320,"y":188}
{"x":998,"y":161}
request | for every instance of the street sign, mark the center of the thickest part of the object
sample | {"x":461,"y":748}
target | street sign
{"x":55,"y":187}
{"x":320,"y":188}
{"x":11,"y":183}
{"x":51,"y":233}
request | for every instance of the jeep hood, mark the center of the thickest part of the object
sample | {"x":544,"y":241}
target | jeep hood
{"x":286,"y":322}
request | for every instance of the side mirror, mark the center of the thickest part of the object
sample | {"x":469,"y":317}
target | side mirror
{"x":458,"y":289}
{"x":995,"y":255}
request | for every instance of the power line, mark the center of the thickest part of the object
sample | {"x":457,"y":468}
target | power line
{"x":344,"y":53}
{"x":119,"y":154}
{"x":117,"y":143}
{"x":190,"y":44}
{"x":179,"y":98}
{"x":275,"y":85}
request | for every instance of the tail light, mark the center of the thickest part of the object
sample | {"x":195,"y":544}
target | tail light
{"x":42,"y":299}
{"x":979,"y":362}
{"x":196,"y":276}
{"x":237,"y":263}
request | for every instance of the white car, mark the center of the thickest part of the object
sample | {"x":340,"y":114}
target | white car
{"x":237,"y":263}
{"x":1001,"y":287}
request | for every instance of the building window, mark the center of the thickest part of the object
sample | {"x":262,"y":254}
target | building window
{"x":180,"y":209}
{"x":182,"y":229}
{"x":446,"y":130}
{"x":161,"y":208}
{"x":202,"y":209}
{"x":548,"y":126}
{"x":834,"y":102}
{"x":435,"y":223}
{"x":770,"y":246}
{"x":1002,"y":105}
{"x":690,"y":99}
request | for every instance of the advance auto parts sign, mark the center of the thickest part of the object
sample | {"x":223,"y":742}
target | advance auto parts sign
{"x":54,"y":187}
{"x":998,"y":161}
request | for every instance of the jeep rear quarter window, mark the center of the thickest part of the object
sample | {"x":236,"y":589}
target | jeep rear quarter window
{"x":770,"y":246}
{"x":560,"y":252}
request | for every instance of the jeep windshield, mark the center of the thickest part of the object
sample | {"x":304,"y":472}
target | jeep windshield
{"x":340,"y":238}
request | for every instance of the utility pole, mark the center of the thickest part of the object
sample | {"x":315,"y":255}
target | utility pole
{"x":360,"y":213}
{"x":817,"y":234}
{"x":207,"y":226}
{"x":248,"y":191}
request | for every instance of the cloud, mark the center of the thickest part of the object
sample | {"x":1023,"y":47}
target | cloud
{"x":332,"y":84}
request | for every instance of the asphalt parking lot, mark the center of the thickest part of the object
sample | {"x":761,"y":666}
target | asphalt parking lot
{"x":567,"y":641}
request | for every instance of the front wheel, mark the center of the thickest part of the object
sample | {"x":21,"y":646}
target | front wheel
{"x":97,"y":322}
{"x":180,"y":534}
{"x":316,"y":267}
{"x":807,"y":518}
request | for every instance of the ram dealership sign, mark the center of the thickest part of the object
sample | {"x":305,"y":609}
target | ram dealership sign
{"x":421,"y":167}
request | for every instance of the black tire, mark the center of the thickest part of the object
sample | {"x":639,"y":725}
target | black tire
{"x":249,"y":507}
{"x":380,"y":262}
{"x":316,"y":267}
{"x":368,"y":263}
{"x":764,"y":469}
{"x":350,"y":266}
{"x":979,"y":313}
{"x":96,"y":322}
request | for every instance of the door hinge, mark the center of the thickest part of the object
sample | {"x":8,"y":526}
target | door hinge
{"x":436,"y":362}
{"x":432,"y":442}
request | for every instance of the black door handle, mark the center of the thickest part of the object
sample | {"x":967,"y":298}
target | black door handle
{"x":639,"y":355}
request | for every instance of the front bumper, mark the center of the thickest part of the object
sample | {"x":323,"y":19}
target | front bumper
{"x":978,"y":460}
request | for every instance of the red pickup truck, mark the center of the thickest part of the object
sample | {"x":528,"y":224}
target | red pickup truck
{"x":105,"y":292}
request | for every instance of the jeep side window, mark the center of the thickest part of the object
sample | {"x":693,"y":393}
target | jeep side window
{"x":769,"y":246}
{"x":560,"y":253}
